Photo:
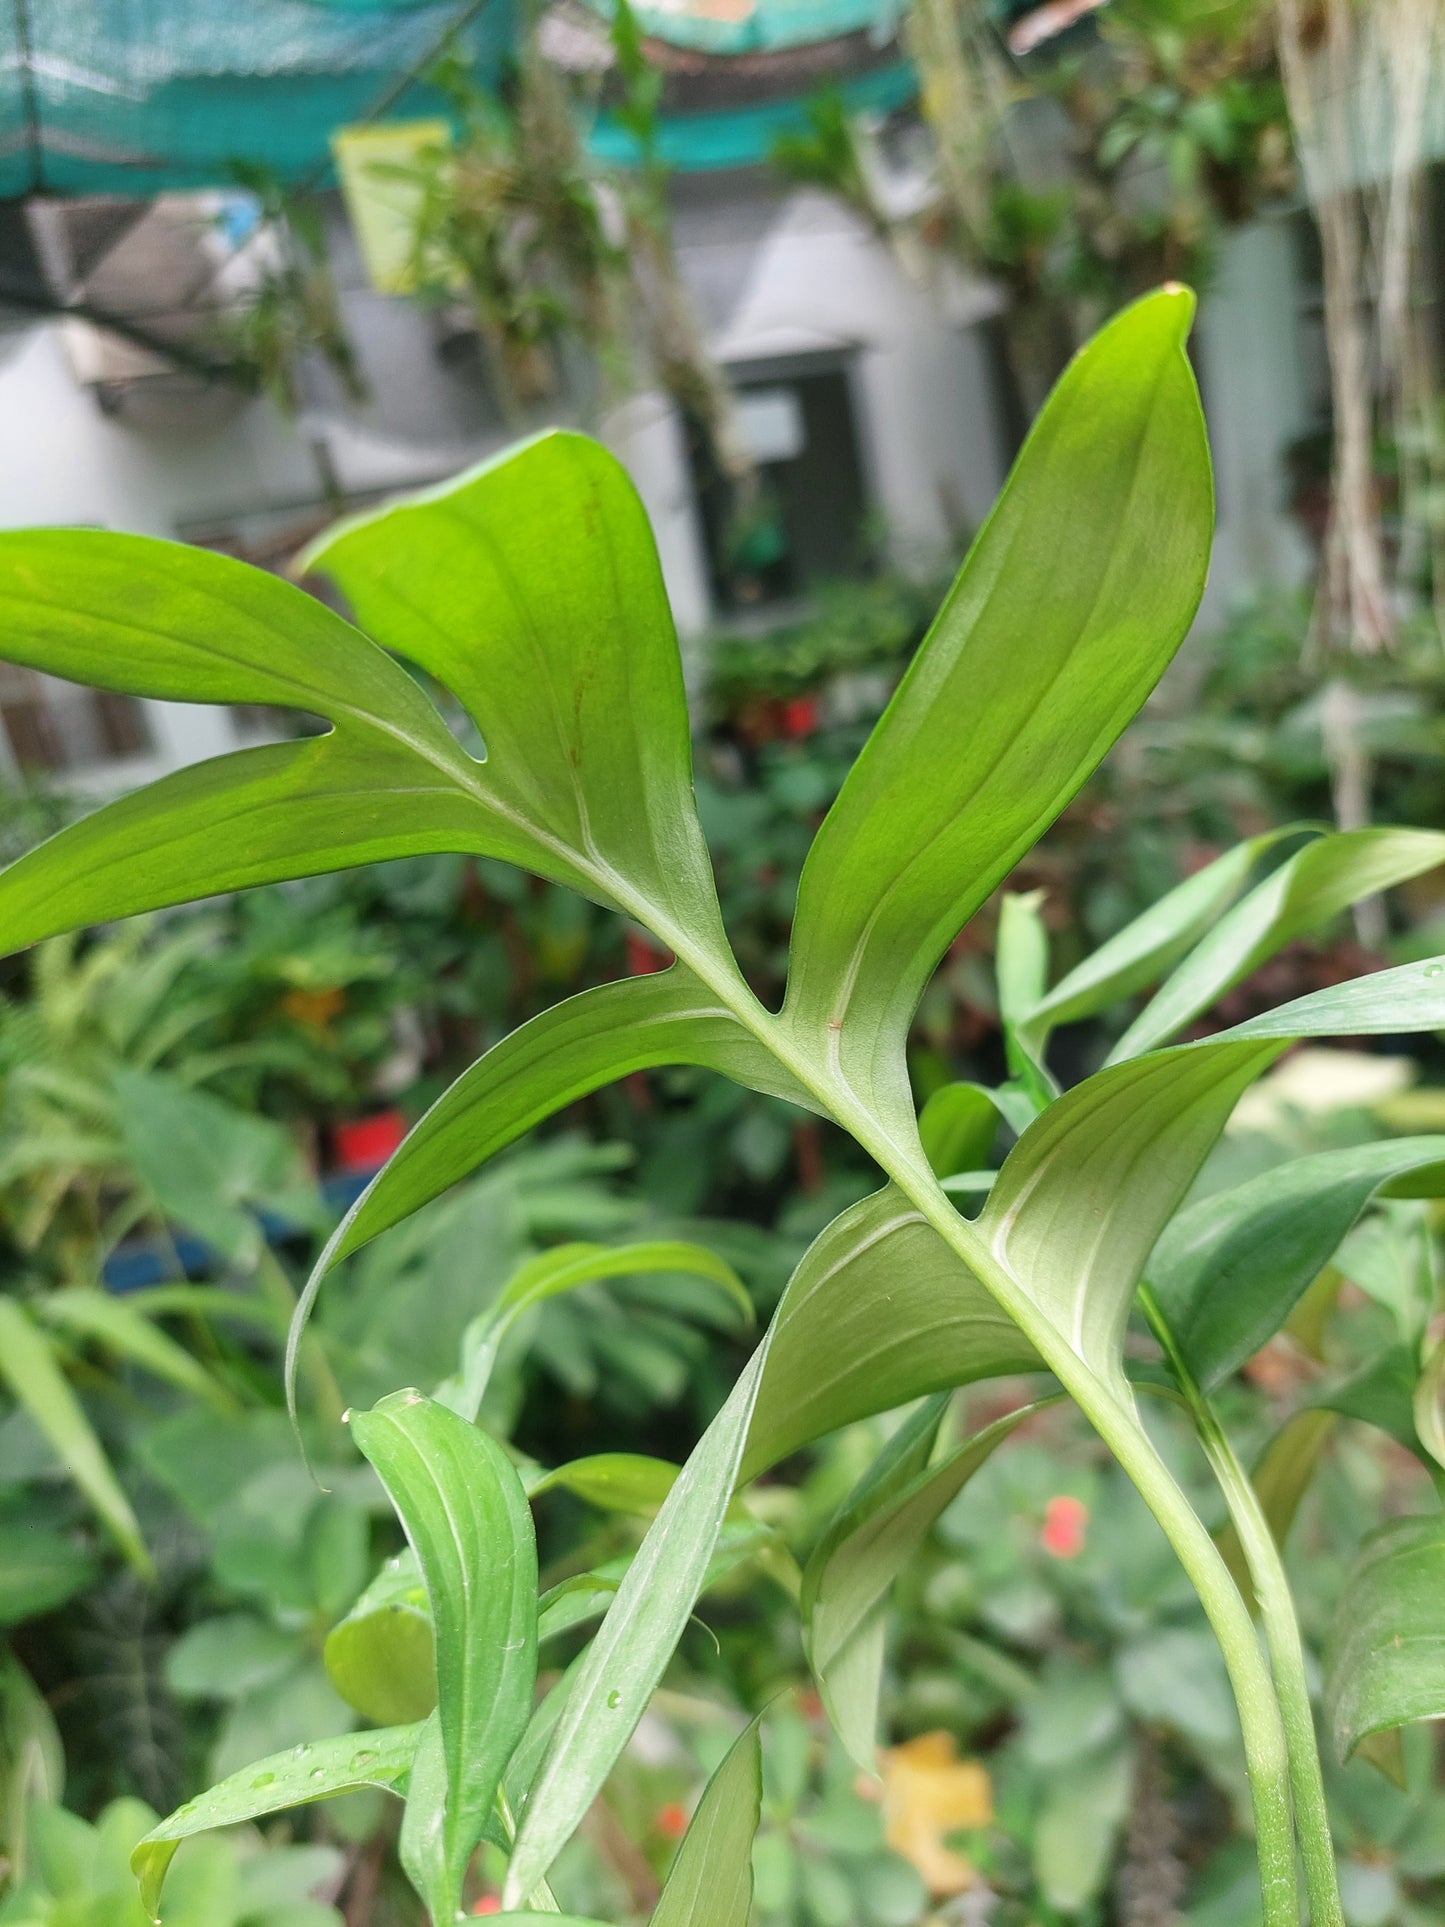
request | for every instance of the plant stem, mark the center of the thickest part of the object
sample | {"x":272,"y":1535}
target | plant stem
{"x":1281,"y":1629}
{"x":1107,"y":1408}
{"x":1261,"y":1723}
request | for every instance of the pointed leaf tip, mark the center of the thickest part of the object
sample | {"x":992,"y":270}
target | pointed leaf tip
{"x":1082,"y":584}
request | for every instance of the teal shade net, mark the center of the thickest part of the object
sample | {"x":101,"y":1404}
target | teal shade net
{"x":764,"y":26}
{"x":136,"y":96}
{"x":743,"y":136}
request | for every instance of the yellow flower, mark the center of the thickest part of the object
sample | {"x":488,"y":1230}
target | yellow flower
{"x":928,"y":1793}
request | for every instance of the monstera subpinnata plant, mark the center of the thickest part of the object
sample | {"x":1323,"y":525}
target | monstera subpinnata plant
{"x":530,"y":591}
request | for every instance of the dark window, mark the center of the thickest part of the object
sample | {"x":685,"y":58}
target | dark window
{"x":56,"y":727}
{"x":810,"y":521}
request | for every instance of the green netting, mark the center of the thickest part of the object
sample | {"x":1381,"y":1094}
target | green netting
{"x":743,"y":136}
{"x":764,"y":26}
{"x":133,"y":96}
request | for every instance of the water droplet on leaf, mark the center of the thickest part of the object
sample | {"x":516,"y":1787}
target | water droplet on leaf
{"x":1435,"y":970}
{"x":263,"y":1779}
{"x":614,"y":1699}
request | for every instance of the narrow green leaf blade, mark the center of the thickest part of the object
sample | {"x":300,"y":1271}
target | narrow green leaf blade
{"x":1228,"y":1271}
{"x":291,"y":1779}
{"x":466,"y":1516}
{"x":851,"y":1685}
{"x":530,"y":587}
{"x":1074,"y":598}
{"x":1088,"y":1189}
{"x":847,"y":1582}
{"x":1303,"y":894}
{"x":28,"y":1367}
{"x":1385,"y":1666}
{"x":1281,"y":1477}
{"x":710,"y":1882}
{"x":627,"y":1482}
{"x":878,"y":1312}
{"x":123,"y":1328}
{"x":1022,"y":961}
{"x":884,"y":1532}
{"x":563,"y":1054}
{"x":1143,"y":950}
{"x":635,"y":1641}
{"x":566,"y":1267}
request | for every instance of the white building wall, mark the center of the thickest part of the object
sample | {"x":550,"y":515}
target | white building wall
{"x":1257,"y":398}
{"x":775,"y":275}
{"x":820,"y":281}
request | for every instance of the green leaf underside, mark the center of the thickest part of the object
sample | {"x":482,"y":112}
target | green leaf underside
{"x":530,"y":587}
{"x":563,"y":1054}
{"x":295,"y":1778}
{"x":710,"y":1882}
{"x":1228,"y":1271}
{"x":974,"y":757}
{"x":467,"y":1519}
{"x":152,"y":618}
{"x":881,"y":1311}
{"x":1386,"y":1664}
{"x":630,"y":1651}
{"x":878,"y":1312}
{"x":1087,"y":1191}
{"x":28,"y":1367}
{"x":572,"y":671}
{"x":382,"y":1656}
{"x":1303,"y":894}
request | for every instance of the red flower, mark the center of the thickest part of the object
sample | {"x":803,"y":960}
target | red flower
{"x":800,"y":716}
{"x":1065,"y":1520}
{"x":671,"y":1820}
{"x":643,"y":955}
